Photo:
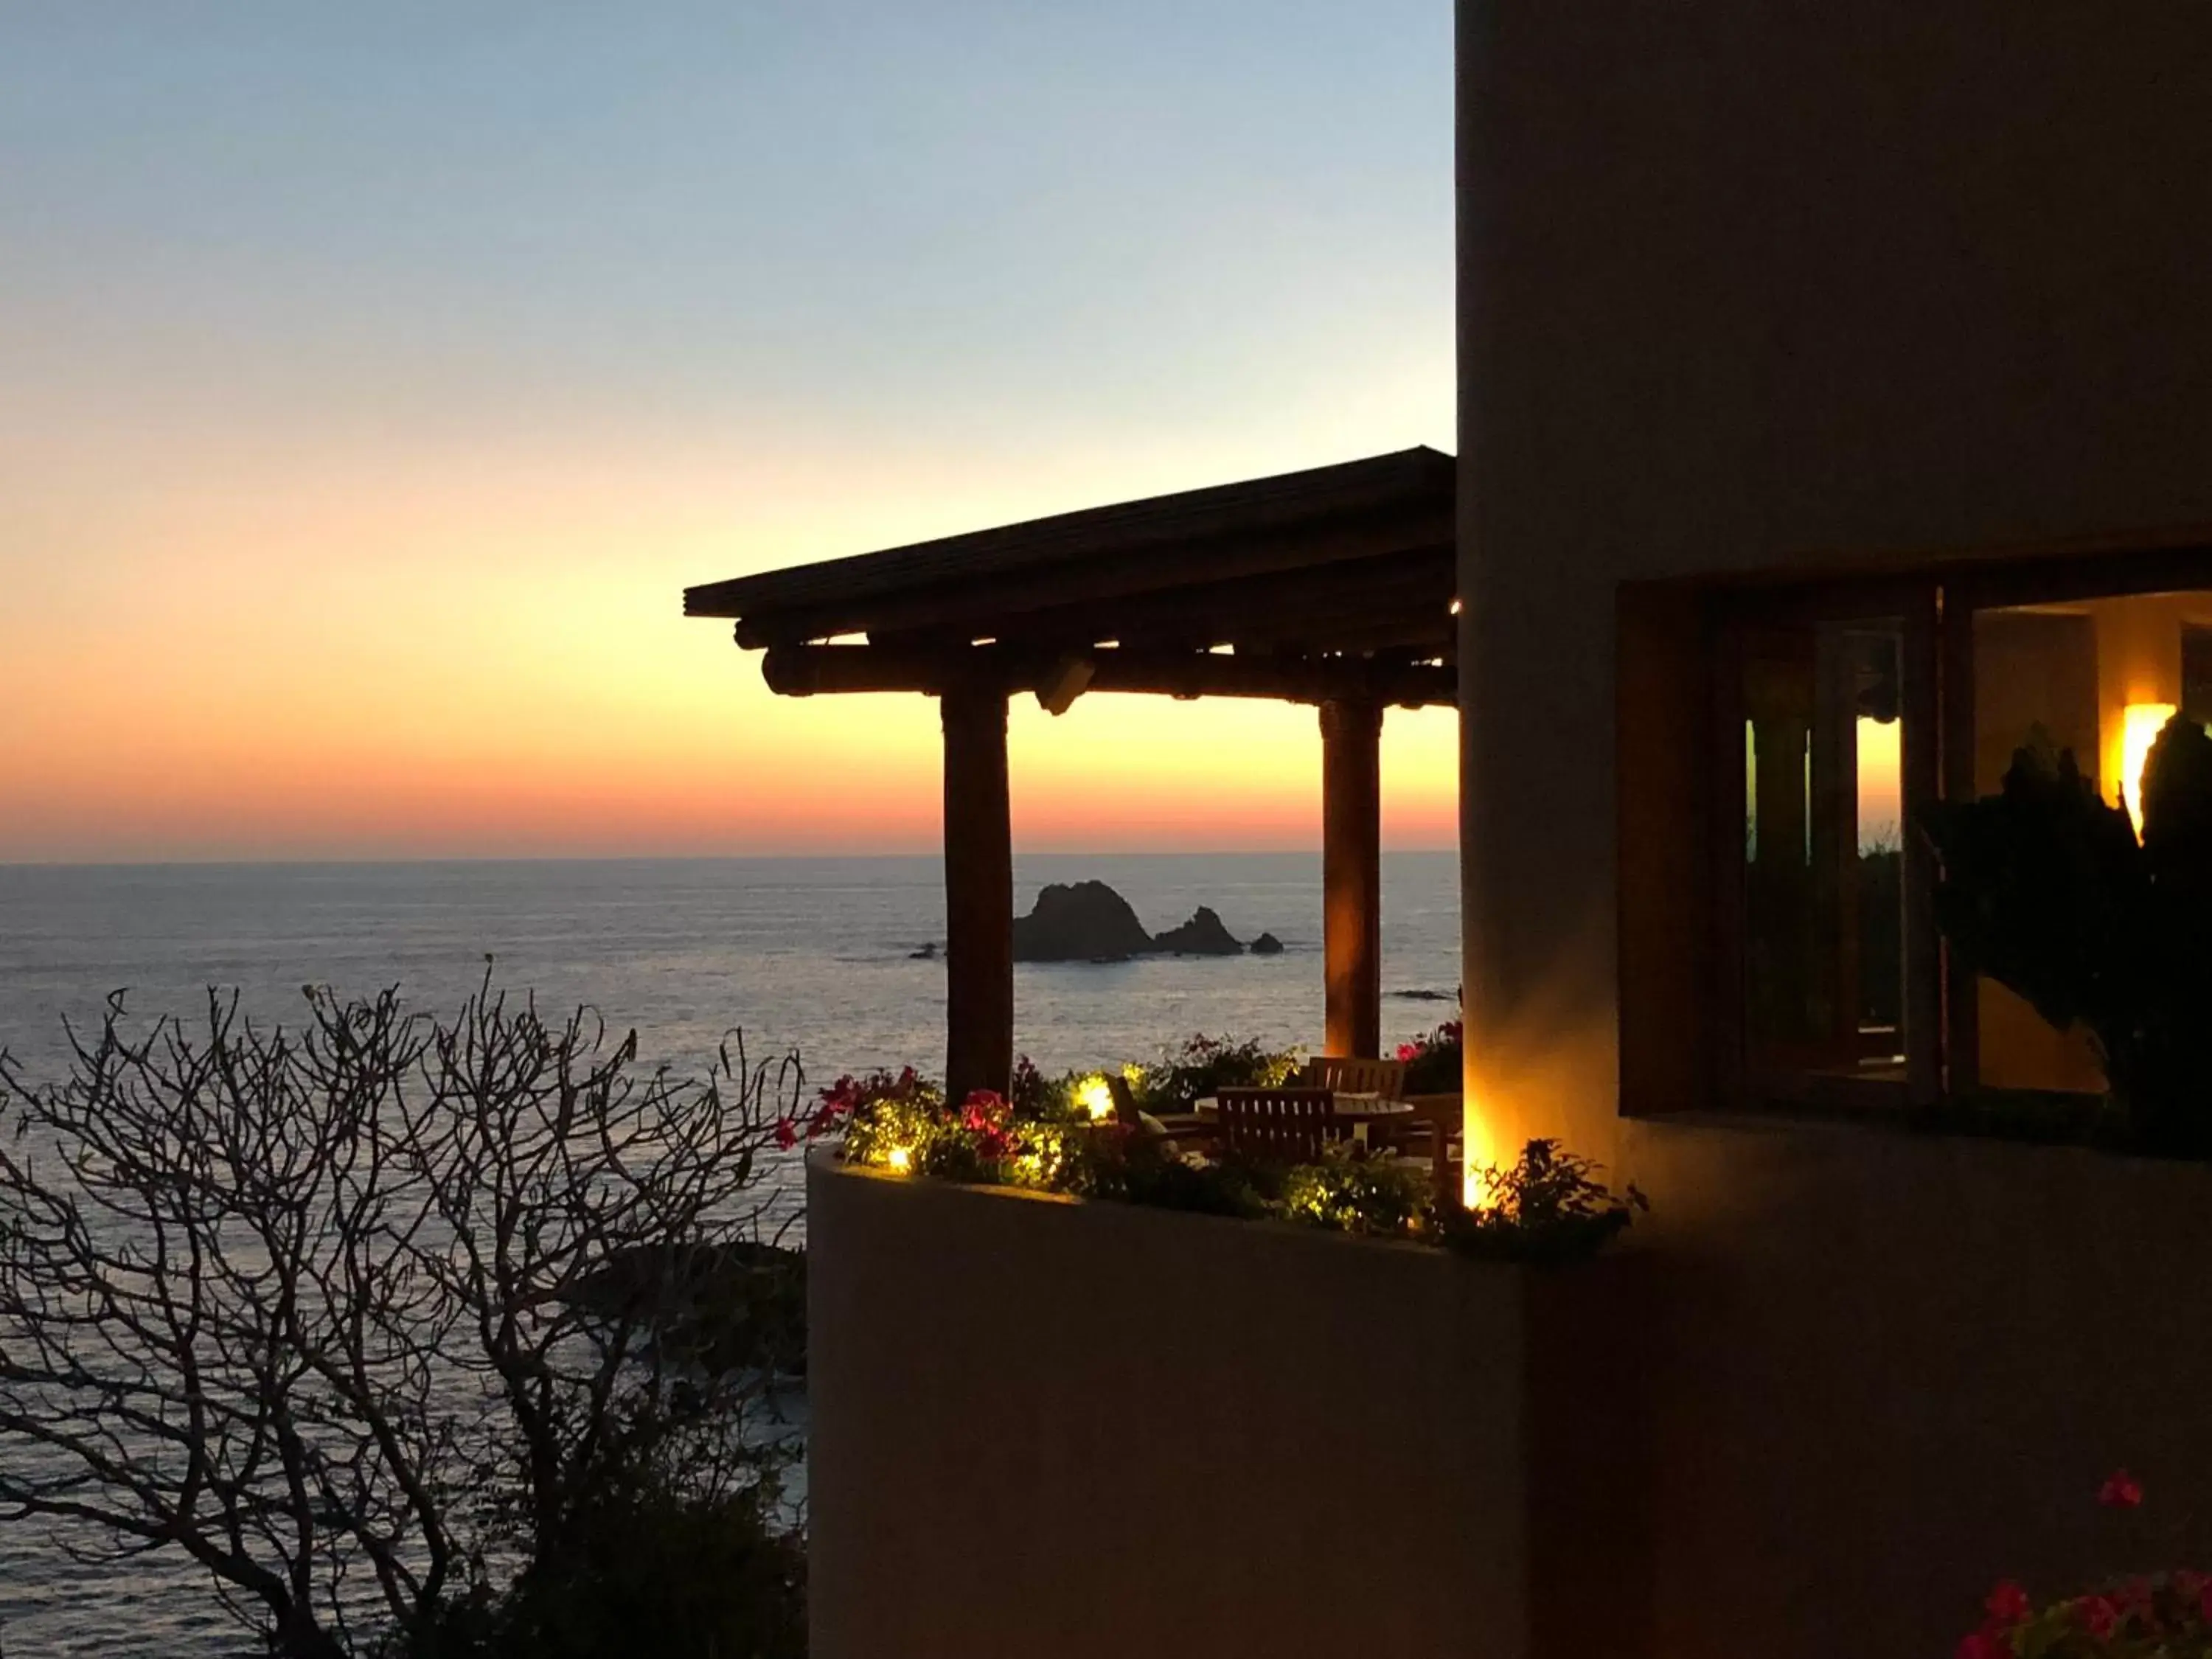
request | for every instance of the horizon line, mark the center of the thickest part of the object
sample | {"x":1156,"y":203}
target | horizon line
{"x":319,"y":861}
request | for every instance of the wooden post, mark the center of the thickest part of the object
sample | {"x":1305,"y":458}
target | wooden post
{"x":979,"y":893}
{"x":1352,"y":875}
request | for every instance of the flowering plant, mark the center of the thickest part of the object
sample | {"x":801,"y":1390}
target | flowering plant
{"x":1546,"y":1207}
{"x":1206,"y":1065}
{"x":2164,"y":1615}
{"x":903,"y":1122}
{"x":1432,"y":1061}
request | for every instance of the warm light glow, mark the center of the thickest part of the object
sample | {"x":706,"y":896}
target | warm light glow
{"x":2144,"y":722}
{"x":899,"y":1159}
{"x":1094,"y":1096}
{"x":1479,"y":1152}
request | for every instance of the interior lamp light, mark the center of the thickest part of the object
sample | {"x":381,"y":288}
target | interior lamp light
{"x":2139,"y":729}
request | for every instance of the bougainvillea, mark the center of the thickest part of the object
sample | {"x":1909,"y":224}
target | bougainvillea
{"x":2162,"y":1615}
{"x":1546,"y":1207}
{"x":1432,"y":1061}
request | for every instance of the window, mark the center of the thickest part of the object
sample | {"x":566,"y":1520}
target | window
{"x":1838,"y":713}
{"x":2099,"y":675}
{"x":1828,"y":707}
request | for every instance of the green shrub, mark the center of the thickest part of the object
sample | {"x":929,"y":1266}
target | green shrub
{"x":1205,"y":1066}
{"x":1546,"y":1209}
{"x":648,"y":1572}
{"x":1349,"y":1192}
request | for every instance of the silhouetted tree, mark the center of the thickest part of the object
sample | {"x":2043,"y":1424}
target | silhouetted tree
{"x":327,"y":1310}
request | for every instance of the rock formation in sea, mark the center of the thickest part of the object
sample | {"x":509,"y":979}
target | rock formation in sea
{"x":1203,"y":935}
{"x":1267,"y":945}
{"x":1091,"y":922}
{"x":1086,"y":922}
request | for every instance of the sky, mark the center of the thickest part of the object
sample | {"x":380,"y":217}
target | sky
{"x":377,"y":377}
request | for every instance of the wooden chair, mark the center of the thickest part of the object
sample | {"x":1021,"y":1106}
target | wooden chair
{"x":1436,"y":1130}
{"x":1382,"y":1078}
{"x":1124,"y":1098}
{"x":1278,"y":1125}
{"x":1183,"y":1128}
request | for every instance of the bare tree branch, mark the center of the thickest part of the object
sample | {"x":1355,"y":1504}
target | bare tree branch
{"x":349,"y":1313}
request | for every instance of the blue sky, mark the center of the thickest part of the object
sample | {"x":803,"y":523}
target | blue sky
{"x":580,"y":295}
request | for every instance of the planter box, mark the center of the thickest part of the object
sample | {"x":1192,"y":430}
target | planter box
{"x":1046,"y":1427}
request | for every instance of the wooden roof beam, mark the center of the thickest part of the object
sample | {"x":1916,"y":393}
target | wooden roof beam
{"x":963,"y":603}
{"x":802,"y":671}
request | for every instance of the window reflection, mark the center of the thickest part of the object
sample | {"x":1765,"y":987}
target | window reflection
{"x":2099,"y":677}
{"x":1823,"y":855}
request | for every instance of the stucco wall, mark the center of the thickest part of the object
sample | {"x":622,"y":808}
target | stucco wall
{"x":1756,"y":286}
{"x":1887,"y":1370}
{"x":1040,"y":1428}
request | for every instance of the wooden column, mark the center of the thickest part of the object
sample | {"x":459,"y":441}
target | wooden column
{"x":978,"y":893}
{"x":1351,"y":874}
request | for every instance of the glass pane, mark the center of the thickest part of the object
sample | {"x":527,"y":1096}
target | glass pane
{"x":1823,"y":955}
{"x":2099,"y":678}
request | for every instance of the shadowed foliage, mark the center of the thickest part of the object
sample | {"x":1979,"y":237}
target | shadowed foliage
{"x":2046,"y":889}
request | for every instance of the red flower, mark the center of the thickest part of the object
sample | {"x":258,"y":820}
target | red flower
{"x":2120,"y":1491}
{"x":2098,"y":1614}
{"x":786,"y":1133}
{"x":1409,"y":1052}
{"x":2008,"y":1603}
{"x":1984,"y":1644}
{"x":983,"y":1110}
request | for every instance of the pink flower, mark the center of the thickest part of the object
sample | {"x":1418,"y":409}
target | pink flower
{"x":2008,"y":1603}
{"x":2098,"y":1614}
{"x":2120,"y":1491}
{"x":786,"y":1133}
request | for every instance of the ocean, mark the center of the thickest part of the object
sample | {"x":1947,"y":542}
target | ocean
{"x":814,"y":956}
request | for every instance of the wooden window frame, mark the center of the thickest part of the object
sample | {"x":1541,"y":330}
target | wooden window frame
{"x":1680,"y":803}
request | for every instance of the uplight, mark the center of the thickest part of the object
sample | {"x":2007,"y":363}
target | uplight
{"x":899,"y":1159}
{"x":1095,"y":1097}
{"x":1478,"y":1156}
{"x":2140,"y":730}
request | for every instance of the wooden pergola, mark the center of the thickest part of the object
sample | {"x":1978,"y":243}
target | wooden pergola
{"x":1332,"y":586}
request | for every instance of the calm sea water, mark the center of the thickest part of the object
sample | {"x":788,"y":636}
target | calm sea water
{"x":807,"y":954}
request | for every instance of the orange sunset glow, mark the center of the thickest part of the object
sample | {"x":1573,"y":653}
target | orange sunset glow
{"x":374,"y":392}
{"x":497,"y":665}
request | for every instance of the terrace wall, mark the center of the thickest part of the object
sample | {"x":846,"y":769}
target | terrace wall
{"x":1886,"y":1370}
{"x":1846,"y":1380}
{"x":1041,"y":1427}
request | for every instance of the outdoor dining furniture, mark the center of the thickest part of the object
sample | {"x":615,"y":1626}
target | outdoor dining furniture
{"x":1284,"y":1125}
{"x":1351,"y":1075}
